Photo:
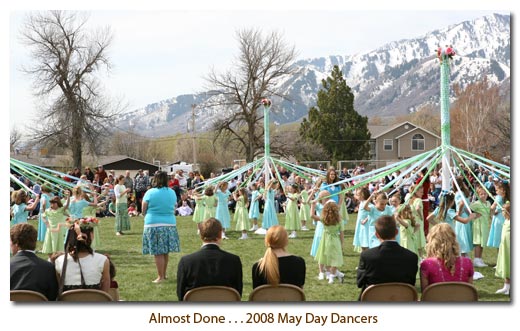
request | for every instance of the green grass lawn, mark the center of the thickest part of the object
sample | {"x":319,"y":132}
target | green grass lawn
{"x":136,"y":271}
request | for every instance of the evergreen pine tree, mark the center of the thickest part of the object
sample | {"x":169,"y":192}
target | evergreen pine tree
{"x":334,"y":123}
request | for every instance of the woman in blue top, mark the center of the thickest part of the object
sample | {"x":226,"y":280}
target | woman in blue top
{"x":160,"y":235}
{"x":333,"y":189}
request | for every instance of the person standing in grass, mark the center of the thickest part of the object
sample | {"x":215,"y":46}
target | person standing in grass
{"x":504,"y":251}
{"x":330,"y":251}
{"x":121,"y":192}
{"x":254,"y":206}
{"x":241,"y":217}
{"x":44,"y":205}
{"x":54,"y":218}
{"x":481,"y":207}
{"x":198,"y":213}
{"x":270,"y":218}
{"x":361,"y":232}
{"x":222,"y":207}
{"x":316,"y":209}
{"x":305,"y":208}
{"x":160,"y":236}
{"x":210,"y":203}
{"x":292,"y":220}
{"x":495,"y":231}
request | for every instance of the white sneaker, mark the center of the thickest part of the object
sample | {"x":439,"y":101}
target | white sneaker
{"x":292,"y":235}
{"x":224,"y":236}
{"x":503,"y":291}
{"x":321,"y":276}
{"x":331,"y":279}
{"x":479,"y":263}
{"x":340,"y":276}
{"x":304,"y":228}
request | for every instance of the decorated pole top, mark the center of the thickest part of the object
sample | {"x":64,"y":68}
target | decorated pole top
{"x":445,"y":53}
{"x":267,"y":106}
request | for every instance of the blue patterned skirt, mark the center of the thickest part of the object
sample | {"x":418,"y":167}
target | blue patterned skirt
{"x":160,"y":240}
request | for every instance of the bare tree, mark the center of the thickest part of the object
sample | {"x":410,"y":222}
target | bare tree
{"x":472,"y":115}
{"x":14,"y":138}
{"x":261,"y":63}
{"x":67,"y":58}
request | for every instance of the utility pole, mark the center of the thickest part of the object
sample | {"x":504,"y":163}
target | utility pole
{"x":194,"y":142}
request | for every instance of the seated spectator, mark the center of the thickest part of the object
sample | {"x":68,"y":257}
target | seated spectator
{"x":388,"y":262}
{"x":80,"y":266}
{"x":443,"y":263}
{"x":210,"y":265}
{"x":28,"y":271}
{"x":185,"y":209}
{"x":278,"y":266}
{"x":132,"y":210}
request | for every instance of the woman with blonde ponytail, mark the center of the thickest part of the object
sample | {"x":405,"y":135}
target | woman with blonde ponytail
{"x":278,"y":266}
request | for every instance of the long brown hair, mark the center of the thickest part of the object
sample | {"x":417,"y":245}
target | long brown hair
{"x":330,"y":213}
{"x":276,"y":237}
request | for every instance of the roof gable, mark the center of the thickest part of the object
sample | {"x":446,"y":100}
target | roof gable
{"x":393,"y":128}
{"x":418,"y":129}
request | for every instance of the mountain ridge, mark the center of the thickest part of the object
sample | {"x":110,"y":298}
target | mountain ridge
{"x":396,"y":78}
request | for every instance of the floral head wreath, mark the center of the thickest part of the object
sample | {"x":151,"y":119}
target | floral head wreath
{"x":82,"y":223}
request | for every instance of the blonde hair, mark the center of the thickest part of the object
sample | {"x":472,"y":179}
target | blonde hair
{"x":276,"y":237}
{"x":18,"y":197}
{"x":442,"y":244}
{"x":506,"y":209}
{"x":406,"y":213}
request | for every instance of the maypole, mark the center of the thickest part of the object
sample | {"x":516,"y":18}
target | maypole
{"x":267,"y":149}
{"x":445,"y":56}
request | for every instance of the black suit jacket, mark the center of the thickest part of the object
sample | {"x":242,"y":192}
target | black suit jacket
{"x":29,"y":272}
{"x":387,"y":263}
{"x":209,"y":266}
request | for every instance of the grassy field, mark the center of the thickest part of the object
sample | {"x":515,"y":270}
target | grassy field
{"x":136,"y":271}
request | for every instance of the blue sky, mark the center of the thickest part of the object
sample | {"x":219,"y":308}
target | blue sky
{"x":161,"y":54}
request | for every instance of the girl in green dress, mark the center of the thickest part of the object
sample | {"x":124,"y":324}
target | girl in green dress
{"x":330,"y":252}
{"x":292,"y":219}
{"x":504,"y":251}
{"x":407,"y":227}
{"x":241,"y":216}
{"x":54,"y":219}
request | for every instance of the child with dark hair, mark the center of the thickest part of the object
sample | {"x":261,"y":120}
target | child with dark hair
{"x":80,"y":266}
{"x":54,"y":218}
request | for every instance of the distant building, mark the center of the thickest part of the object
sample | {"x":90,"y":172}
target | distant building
{"x":401,"y":141}
{"x":171,"y":168}
{"x":63,"y":163}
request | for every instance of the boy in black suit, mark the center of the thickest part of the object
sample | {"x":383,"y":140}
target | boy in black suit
{"x":28,"y":271}
{"x":210,"y":265}
{"x":388,"y":262}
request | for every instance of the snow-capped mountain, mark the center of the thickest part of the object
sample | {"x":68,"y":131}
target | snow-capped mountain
{"x":396,"y":78}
